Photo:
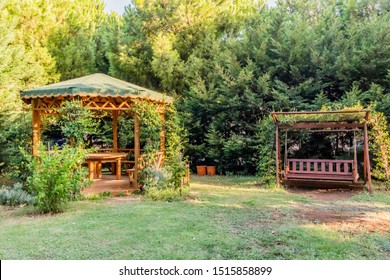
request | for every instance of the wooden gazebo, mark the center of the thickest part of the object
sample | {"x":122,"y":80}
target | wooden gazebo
{"x":96,"y":92}
{"x":334,"y":172}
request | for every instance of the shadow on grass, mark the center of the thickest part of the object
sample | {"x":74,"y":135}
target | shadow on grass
{"x":226,"y":181}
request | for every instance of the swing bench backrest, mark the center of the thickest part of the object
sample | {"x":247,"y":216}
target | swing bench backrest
{"x":321,"y":169}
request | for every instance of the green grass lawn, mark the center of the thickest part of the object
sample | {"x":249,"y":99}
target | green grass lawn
{"x":225,"y":218}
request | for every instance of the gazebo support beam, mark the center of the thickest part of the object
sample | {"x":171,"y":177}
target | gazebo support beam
{"x":137,"y":148}
{"x":36,"y":125}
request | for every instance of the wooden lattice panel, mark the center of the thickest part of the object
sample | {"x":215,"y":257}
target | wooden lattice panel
{"x":49,"y":106}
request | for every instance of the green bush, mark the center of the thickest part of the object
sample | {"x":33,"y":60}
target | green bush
{"x":166,"y":194}
{"x":14,"y":133}
{"x":154,"y":177}
{"x":98,"y":196}
{"x":76,"y":122}
{"x":162,"y":183}
{"x":15,"y":195}
{"x":57,"y":177}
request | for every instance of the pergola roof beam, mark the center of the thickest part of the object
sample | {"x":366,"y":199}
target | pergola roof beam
{"x":322,"y":125}
{"x":342,"y":112}
{"x":321,"y":112}
{"x":328,"y":130}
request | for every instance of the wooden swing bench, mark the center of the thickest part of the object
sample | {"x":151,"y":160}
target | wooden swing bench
{"x":321,"y":169}
{"x":325,"y":172}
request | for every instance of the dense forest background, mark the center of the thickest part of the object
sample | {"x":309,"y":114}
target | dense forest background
{"x":229,"y":63}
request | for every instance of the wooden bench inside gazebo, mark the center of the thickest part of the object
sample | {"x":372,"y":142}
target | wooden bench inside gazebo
{"x":98,"y":92}
{"x":319,"y":172}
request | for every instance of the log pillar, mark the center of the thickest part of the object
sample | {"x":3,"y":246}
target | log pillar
{"x":277,"y":144}
{"x":36,"y":128}
{"x":137,"y":148}
{"x":367,"y":156}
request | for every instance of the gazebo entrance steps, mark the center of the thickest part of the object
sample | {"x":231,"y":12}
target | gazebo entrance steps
{"x":108,"y":183}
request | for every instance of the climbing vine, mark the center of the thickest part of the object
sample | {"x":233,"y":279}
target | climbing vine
{"x":150,"y":125}
{"x":174,"y":138}
{"x":380,"y":145}
{"x":158,"y":179}
{"x":76,"y":122}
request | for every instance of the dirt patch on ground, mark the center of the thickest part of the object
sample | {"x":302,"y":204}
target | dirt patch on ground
{"x":331,"y":211}
{"x":122,"y":199}
{"x":268,"y":220}
{"x":5,"y":181}
{"x":350,"y":221}
{"x":325,"y":194}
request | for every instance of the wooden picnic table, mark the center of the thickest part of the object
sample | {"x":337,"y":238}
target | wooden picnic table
{"x":95,"y":161}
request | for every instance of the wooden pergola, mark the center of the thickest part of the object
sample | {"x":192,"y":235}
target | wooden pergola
{"x":95,"y":92}
{"x":328,"y":171}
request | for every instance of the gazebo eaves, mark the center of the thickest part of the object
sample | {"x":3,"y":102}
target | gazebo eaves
{"x":83,"y":93}
{"x":95,"y":85}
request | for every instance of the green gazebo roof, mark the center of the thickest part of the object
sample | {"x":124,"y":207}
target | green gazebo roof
{"x":94,"y":85}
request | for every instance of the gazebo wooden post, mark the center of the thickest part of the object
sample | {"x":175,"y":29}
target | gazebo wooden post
{"x":36,"y":125}
{"x":137,"y":148}
{"x":367,"y":155}
{"x":277,"y":154}
{"x":162,"y":136}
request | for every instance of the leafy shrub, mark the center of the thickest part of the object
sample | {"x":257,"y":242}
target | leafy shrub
{"x":266,"y":163}
{"x":57,"y":177}
{"x":162,"y":183}
{"x":154,"y":177}
{"x":380,"y":146}
{"x":15,"y":195}
{"x":166,"y":194}
{"x":98,"y":196}
{"x":14,"y":133}
{"x":76,"y":121}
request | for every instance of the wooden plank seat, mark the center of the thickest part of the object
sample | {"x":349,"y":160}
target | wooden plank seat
{"x":321,"y":169}
{"x":127,"y":162}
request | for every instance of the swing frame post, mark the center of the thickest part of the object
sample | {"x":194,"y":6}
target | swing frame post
{"x":277,"y":156}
